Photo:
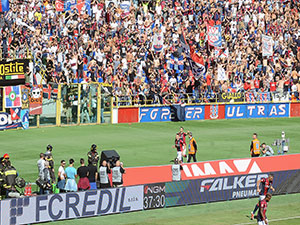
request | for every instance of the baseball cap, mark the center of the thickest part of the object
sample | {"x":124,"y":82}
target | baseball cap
{"x":6,"y":156}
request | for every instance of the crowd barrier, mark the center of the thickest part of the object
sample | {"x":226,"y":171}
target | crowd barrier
{"x":207,"y":112}
{"x":202,"y":182}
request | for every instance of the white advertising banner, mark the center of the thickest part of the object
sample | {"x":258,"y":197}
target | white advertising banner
{"x":71,"y":205}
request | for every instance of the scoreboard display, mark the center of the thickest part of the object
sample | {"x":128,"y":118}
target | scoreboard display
{"x":13,"y":72}
{"x":154,"y":196}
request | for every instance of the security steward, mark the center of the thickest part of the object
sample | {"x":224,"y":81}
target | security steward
{"x":2,"y":178}
{"x":192,"y":148}
{"x":93,"y":156}
{"x":49,"y":158}
{"x":255,"y":146}
{"x":10,"y":174}
{"x":117,"y":174}
{"x":104,"y":170}
{"x":176,"y":170}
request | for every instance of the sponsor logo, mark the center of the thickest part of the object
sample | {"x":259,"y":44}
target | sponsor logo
{"x":154,"y":189}
{"x":240,"y":186}
{"x":214,"y":112}
{"x":16,"y":208}
{"x":221,"y":168}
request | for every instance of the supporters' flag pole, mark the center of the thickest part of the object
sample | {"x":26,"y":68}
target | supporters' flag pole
{"x":4,"y":6}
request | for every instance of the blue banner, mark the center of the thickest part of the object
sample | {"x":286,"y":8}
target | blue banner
{"x":155,"y":114}
{"x":194,"y":112}
{"x":271,"y":110}
{"x":235,"y":111}
{"x":228,"y":188}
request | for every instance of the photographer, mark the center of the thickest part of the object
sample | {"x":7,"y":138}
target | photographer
{"x":117,"y":174}
{"x":45,"y":179}
{"x":93,"y":156}
{"x":266,"y":150}
{"x":104,"y":170}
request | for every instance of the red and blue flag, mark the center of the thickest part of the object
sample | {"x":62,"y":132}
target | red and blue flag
{"x":4,"y":6}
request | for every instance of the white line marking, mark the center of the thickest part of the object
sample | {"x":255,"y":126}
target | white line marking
{"x":274,"y":220}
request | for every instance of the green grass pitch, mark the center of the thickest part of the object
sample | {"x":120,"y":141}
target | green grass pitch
{"x":151,"y":144}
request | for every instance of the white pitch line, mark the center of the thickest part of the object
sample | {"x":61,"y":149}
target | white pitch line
{"x":274,"y":220}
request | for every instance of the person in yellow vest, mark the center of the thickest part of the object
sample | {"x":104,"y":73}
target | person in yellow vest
{"x":255,"y":146}
{"x":192,"y":148}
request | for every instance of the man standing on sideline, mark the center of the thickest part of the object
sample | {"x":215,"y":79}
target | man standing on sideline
{"x":82,"y":171}
{"x":41,"y":165}
{"x":49,"y":158}
{"x":255,"y":146}
{"x":266,"y":184}
{"x":61,"y":180}
{"x":71,"y":174}
{"x":104,"y":170}
{"x":92,"y":176}
{"x":93,"y":156}
{"x":117,"y":174}
{"x":182,"y":135}
{"x":176,"y":170}
{"x":178,"y":145}
{"x":192,"y":148}
{"x":261,"y":216}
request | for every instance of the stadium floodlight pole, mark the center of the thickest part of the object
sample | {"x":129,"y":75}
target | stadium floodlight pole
{"x":58,"y":107}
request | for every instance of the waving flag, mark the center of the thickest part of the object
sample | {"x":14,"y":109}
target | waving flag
{"x":13,"y":97}
{"x":15,"y":113}
{"x":221,"y":52}
{"x":176,"y":63}
{"x":125,"y":6}
{"x":69,"y":5}
{"x":4,"y":6}
{"x":214,"y":35}
{"x":267,"y":45}
{"x":84,"y":5}
{"x":158,"y":42}
{"x":196,"y":63}
{"x":59,"y":5}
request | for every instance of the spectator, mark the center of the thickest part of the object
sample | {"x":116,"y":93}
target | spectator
{"x":82,"y":171}
{"x":61,"y":181}
{"x":71,"y":174}
{"x":93,"y":176}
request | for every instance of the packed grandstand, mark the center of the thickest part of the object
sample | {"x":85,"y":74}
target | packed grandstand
{"x":247,"y":47}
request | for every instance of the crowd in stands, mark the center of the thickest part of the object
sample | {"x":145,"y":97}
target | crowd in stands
{"x":116,"y":48}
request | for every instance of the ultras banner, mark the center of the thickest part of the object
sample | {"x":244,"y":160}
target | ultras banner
{"x":228,"y":188}
{"x":44,"y":208}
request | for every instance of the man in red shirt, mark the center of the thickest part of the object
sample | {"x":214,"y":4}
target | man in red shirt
{"x":266,"y":184}
{"x":272,"y":86}
{"x":182,"y":135}
{"x":261,"y":216}
{"x":178,"y":145}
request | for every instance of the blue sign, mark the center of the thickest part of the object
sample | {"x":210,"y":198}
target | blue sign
{"x":257,"y":110}
{"x":155,"y":114}
{"x":194,"y":112}
{"x":270,"y":110}
{"x":235,"y":111}
{"x":279,"y":110}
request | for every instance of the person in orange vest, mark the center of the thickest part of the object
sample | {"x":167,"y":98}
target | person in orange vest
{"x":192,"y":148}
{"x":255,"y":146}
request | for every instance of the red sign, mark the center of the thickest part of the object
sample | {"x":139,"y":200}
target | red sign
{"x":219,"y":168}
{"x":213,"y":112}
{"x":295,"y":110}
{"x":128,"y":115}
